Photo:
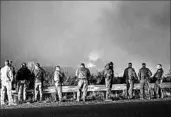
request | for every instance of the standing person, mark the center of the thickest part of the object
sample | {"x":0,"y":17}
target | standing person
{"x":82,"y":75}
{"x":58,"y":78}
{"x":22,"y":78}
{"x":43,"y":71}
{"x":6,"y":82}
{"x":144,"y":75}
{"x":108,"y":74}
{"x":14,"y":84}
{"x":158,"y":79}
{"x":129,"y":76}
{"x":12,"y":67}
{"x":38,"y":81}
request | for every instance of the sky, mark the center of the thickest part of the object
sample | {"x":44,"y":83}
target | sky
{"x":67,"y":33}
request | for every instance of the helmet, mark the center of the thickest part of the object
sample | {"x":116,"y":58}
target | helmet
{"x":82,"y":64}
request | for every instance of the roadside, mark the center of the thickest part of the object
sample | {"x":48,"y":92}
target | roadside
{"x":74,"y":103}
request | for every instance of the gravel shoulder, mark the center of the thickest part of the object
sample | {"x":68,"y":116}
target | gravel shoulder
{"x":74,"y":103}
{"x":120,"y":108}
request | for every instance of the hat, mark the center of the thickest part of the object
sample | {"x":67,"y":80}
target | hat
{"x":107,"y":66}
{"x":159,"y":66}
{"x":130,"y":64}
{"x":111,"y":63}
{"x":23,"y":64}
{"x":143,"y":64}
{"x":37,"y":64}
{"x":7,"y":61}
{"x":58,"y":68}
{"x":82,"y":64}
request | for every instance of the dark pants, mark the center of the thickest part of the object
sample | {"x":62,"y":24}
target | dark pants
{"x":129,"y":88}
{"x":108,"y":83}
{"x":145,"y":88}
{"x":157,"y":89}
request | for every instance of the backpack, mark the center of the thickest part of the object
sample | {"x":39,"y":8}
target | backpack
{"x":83,"y":73}
{"x":108,"y":73}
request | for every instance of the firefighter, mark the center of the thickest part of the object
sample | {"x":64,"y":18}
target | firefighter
{"x":129,"y":76}
{"x":38,"y":81}
{"x":144,"y":76}
{"x":158,"y":80}
{"x":22,"y":79}
{"x":108,"y":74}
{"x":6,"y":81}
{"x":82,"y":75}
{"x":58,"y":78}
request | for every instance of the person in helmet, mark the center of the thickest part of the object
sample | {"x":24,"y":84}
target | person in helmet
{"x":108,"y":75}
{"x":22,"y":78}
{"x":82,"y":75}
{"x":129,"y":76}
{"x":144,"y":76}
{"x":58,"y":78}
{"x":158,"y":79}
{"x":38,"y":81}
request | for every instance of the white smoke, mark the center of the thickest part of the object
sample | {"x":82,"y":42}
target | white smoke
{"x":93,"y":56}
{"x":90,"y":65}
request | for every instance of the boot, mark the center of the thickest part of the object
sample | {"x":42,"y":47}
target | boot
{"x":78,"y":100}
{"x":2,"y":103}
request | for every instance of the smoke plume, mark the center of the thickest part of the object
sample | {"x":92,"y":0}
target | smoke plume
{"x":67,"y":33}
